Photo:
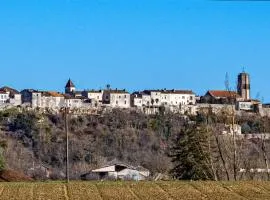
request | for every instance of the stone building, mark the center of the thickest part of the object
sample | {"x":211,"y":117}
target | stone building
{"x":95,"y":96}
{"x":220,"y":97}
{"x":167,"y":98}
{"x":27,"y":96}
{"x":10,"y":96}
{"x":4,"y":97}
{"x":47,"y":99}
{"x":243,"y":86}
{"x":116,"y":98}
{"x":76,"y":101}
{"x":140,"y":99}
{"x":70,"y":87}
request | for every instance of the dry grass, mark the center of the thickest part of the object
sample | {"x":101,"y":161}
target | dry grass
{"x":136,"y":190}
{"x":89,"y":191}
{"x":181,"y":190}
{"x":116,"y":191}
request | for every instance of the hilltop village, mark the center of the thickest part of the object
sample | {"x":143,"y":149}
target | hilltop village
{"x":136,"y":133}
{"x":147,"y":101}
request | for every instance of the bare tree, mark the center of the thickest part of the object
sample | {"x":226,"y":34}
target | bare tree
{"x":232,"y":100}
{"x":209,"y":134}
{"x":265,"y":122}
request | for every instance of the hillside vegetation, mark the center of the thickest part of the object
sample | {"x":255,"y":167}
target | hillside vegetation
{"x":32,"y":140}
{"x":136,"y":190}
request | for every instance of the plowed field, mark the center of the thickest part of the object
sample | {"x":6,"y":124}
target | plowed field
{"x":136,"y":190}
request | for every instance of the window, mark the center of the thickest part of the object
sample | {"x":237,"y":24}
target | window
{"x":125,"y":102}
{"x":119,"y":97}
{"x":191,"y":98}
{"x":117,"y":102}
{"x":183,"y":97}
{"x":125,"y":96}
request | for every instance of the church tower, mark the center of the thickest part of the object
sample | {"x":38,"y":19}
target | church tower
{"x":243,"y":87}
{"x":70,"y":87}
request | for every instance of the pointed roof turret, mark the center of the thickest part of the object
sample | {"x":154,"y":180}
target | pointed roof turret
{"x":70,"y":84}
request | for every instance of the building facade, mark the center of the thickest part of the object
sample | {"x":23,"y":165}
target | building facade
{"x":95,"y":97}
{"x":47,"y":99}
{"x":10,"y":96}
{"x":220,"y":97}
{"x":4,"y":97}
{"x":116,"y":98}
{"x":167,"y":98}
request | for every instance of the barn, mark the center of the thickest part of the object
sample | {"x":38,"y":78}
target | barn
{"x":119,"y":171}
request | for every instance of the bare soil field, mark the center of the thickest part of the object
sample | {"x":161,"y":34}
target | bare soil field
{"x":178,"y":190}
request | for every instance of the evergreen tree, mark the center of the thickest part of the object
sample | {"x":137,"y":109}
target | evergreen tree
{"x":3,"y":145}
{"x":2,"y":162}
{"x":190,"y":154}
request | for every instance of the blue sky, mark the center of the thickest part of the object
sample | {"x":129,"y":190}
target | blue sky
{"x":134,"y":44}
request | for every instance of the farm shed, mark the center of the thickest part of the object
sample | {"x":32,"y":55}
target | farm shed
{"x":122,"y":172}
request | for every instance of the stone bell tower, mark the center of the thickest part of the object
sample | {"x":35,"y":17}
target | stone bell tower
{"x":70,"y":87}
{"x":243,"y":86}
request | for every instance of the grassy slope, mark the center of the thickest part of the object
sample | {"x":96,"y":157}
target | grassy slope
{"x":134,"y":190}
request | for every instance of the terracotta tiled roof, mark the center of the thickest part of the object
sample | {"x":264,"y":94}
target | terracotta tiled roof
{"x":223,"y":94}
{"x":52,"y":94}
{"x":70,"y":84}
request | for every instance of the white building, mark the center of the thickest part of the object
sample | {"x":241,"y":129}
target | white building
{"x":10,"y":96}
{"x":4,"y":97}
{"x":116,"y":98}
{"x":73,"y":102}
{"x":47,"y":99}
{"x":167,"y":98}
{"x":76,"y":102}
{"x":140,"y":99}
{"x":95,"y":96}
{"x":249,"y":105}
